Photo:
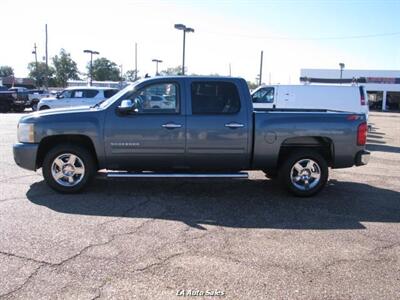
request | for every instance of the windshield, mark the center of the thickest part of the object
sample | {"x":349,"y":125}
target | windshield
{"x":118,"y":95}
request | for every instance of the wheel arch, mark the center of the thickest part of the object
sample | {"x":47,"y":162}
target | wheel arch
{"x":323,"y":145}
{"x":75,"y":139}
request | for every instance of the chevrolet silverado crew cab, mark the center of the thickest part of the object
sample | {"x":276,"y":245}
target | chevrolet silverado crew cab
{"x":208,"y":129}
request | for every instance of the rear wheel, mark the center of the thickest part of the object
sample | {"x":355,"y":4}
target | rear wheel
{"x":304,"y":173}
{"x":18,"y":109}
{"x":68,"y":168}
{"x":4,"y":107}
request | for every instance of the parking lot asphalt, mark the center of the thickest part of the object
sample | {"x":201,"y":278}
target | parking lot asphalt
{"x":245,"y":239}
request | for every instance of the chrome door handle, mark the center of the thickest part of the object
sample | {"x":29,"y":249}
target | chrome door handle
{"x":171,"y":125}
{"x":234,"y":125}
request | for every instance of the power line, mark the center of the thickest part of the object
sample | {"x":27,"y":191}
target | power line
{"x":365,"y":36}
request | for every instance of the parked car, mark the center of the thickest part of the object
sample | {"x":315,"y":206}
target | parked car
{"x":210,"y":130}
{"x":77,"y":96}
{"x":35,"y":96}
{"x":340,"y":98}
{"x":15,"y":99}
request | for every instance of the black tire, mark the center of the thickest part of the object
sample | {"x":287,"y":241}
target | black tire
{"x":4,"y":107}
{"x":34,"y":104}
{"x":300,"y":188}
{"x":18,"y":109}
{"x":83,"y":154}
{"x":44,"y":107}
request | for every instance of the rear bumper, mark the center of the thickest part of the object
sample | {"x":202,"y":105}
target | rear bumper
{"x":25,"y":155}
{"x":362,"y":158}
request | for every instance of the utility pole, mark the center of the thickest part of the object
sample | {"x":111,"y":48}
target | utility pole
{"x":47,"y":62}
{"x":230,"y":70}
{"x":261,"y":65}
{"x":136,"y":62}
{"x":36,"y":62}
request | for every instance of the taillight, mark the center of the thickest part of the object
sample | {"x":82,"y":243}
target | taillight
{"x":362,"y":96}
{"x":362,"y":134}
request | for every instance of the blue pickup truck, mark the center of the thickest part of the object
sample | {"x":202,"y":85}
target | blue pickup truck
{"x":189,"y":127}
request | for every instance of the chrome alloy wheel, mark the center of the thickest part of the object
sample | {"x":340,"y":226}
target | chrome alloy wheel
{"x":67,"y":169}
{"x":305,"y":174}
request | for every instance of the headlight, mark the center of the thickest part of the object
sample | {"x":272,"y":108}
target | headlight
{"x":26,"y":133}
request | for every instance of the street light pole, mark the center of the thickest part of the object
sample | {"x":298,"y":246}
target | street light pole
{"x":91,"y":63}
{"x":341,"y":65}
{"x":157,"y":61}
{"x":184,"y":29}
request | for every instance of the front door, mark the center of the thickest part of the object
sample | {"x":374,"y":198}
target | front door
{"x":217,"y":128}
{"x":153,"y":138}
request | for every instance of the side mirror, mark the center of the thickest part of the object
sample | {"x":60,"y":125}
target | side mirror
{"x":58,"y":96}
{"x":127,"y":107}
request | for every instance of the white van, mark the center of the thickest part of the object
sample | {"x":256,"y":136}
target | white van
{"x":340,"y":98}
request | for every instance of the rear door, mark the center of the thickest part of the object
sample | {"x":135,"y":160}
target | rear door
{"x":91,"y":97}
{"x":217,"y":126}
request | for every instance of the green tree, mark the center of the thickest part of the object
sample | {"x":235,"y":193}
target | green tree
{"x":172,"y":71}
{"x":39,"y":74}
{"x":65,"y":68}
{"x":252,"y":85}
{"x":130,"y":75}
{"x":104,"y":69}
{"x":6,"y":71}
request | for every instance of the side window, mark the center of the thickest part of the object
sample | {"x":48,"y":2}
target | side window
{"x":66,"y":94}
{"x":77,"y":94}
{"x":264,"y":95}
{"x":109,"y":93}
{"x":90,"y":93}
{"x":214,"y":98}
{"x":156,"y":98}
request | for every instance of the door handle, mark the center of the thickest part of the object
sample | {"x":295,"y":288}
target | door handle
{"x":171,"y":125}
{"x":234,"y":125}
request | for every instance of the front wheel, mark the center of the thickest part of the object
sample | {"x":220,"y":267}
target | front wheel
{"x":304,"y":173}
{"x":68,"y":168}
{"x":44,"y":107}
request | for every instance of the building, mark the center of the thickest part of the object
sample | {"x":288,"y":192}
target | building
{"x":110,"y":84}
{"x":382,"y":86}
{"x":11,"y":81}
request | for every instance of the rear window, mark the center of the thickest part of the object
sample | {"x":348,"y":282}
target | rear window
{"x":90,"y":93}
{"x":110,"y":93}
{"x":214,"y":98}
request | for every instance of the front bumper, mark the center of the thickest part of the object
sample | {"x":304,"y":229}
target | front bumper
{"x":25,"y":155}
{"x":362,"y":158}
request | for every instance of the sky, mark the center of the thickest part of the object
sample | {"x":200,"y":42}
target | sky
{"x":293,"y":34}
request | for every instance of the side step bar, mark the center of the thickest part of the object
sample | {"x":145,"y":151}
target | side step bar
{"x":176,"y":175}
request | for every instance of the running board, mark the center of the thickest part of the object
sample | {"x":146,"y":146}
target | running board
{"x":176,"y":175}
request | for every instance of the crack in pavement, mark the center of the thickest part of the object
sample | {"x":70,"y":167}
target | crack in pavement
{"x":45,"y":263}
{"x":23,"y":284}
